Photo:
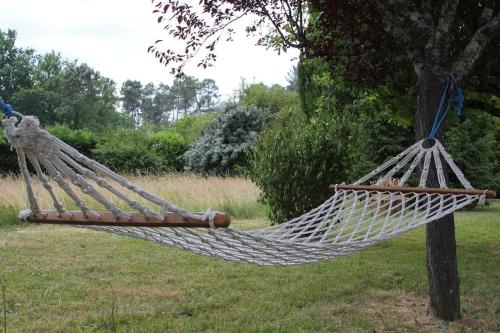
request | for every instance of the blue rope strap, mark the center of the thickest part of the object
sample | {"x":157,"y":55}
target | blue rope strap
{"x":455,"y":99}
{"x":7,"y":109}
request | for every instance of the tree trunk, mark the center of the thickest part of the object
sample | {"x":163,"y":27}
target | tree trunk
{"x":442,"y":269}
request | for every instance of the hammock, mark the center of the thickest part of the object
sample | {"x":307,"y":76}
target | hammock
{"x":354,"y":217}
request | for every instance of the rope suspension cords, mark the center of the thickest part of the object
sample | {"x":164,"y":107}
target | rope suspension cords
{"x":50,"y":157}
{"x":455,"y":99}
{"x":388,"y":201}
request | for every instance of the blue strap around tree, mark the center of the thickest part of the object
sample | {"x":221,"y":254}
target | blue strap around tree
{"x":455,"y":99}
{"x":7,"y":109}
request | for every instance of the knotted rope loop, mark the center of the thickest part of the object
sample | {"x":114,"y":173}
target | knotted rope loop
{"x":24,"y":214}
{"x":456,"y":99}
{"x":482,"y":199}
{"x":209,"y":216}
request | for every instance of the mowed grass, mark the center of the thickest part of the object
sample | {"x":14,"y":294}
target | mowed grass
{"x":63,"y":279}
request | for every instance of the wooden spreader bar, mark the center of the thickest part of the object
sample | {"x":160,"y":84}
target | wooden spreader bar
{"x":488,"y":193}
{"x":221,"y":220}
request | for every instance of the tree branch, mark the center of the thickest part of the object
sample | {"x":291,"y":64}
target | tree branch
{"x":422,"y":20}
{"x":396,"y":22}
{"x":391,"y":24}
{"x":220,"y":28}
{"x":300,"y":10}
{"x":477,"y":44}
{"x":442,"y":34}
{"x":294,"y":24}
{"x":287,"y":41}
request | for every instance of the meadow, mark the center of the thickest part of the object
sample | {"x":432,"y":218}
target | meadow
{"x":64,"y":279}
{"x":237,"y":197}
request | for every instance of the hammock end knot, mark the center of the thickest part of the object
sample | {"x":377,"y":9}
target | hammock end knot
{"x":482,"y":198}
{"x":210,"y":217}
{"x":24,"y":215}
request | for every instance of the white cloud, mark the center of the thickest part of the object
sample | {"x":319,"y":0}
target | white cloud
{"x":112,"y":36}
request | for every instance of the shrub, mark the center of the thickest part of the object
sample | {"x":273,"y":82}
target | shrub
{"x":170,"y":147}
{"x":128,"y":151}
{"x":297,"y":159}
{"x":313,"y":82}
{"x":379,"y":135}
{"x":190,"y":127}
{"x":223,"y":147}
{"x":82,"y":140}
{"x":474,"y":146}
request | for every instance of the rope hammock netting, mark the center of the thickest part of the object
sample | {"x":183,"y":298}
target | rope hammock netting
{"x":354,"y":217}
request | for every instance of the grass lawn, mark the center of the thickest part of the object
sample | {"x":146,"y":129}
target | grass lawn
{"x":63,"y":279}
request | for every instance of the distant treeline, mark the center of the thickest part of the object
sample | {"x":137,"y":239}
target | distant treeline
{"x":139,"y":128}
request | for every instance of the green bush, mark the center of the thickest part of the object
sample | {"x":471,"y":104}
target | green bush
{"x":128,"y":151}
{"x":473,"y":143}
{"x":123,"y":149}
{"x":190,"y":127}
{"x":170,"y":147}
{"x":296,"y":160}
{"x":379,"y":135}
{"x":313,"y":82}
{"x":223,"y":147}
{"x":82,"y":140}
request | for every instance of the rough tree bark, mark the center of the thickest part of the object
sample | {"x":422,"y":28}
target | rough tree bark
{"x":444,"y":292}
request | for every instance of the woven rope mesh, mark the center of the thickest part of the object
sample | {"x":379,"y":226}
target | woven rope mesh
{"x":347,"y":221}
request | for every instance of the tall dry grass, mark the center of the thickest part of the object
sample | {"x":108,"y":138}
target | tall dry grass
{"x":233,"y":195}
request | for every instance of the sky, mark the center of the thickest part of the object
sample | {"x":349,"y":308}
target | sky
{"x":112,"y":36}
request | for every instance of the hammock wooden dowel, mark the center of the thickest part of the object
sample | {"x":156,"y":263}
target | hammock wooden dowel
{"x":453,"y":191}
{"x":221,"y":220}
